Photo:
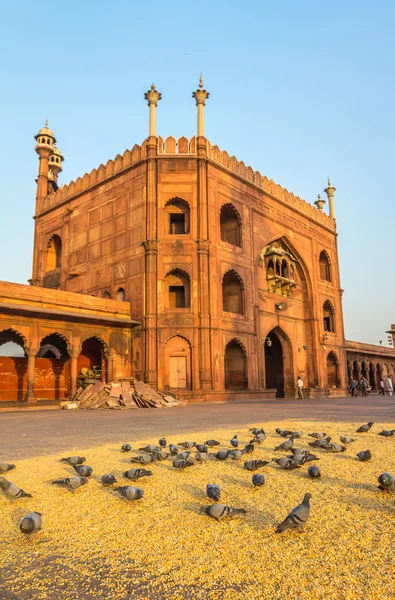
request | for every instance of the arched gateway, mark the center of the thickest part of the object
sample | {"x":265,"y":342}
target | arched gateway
{"x":278,"y":363}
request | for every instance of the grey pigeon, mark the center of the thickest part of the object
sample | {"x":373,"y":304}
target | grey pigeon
{"x":12,"y":491}
{"x":287,"y":463}
{"x":201,"y":447}
{"x":184,"y":455}
{"x":259,"y":438}
{"x":346,"y":440}
{"x":162,"y":442}
{"x":187,"y":445}
{"x":74,"y":460}
{"x":283,"y":432}
{"x":126,"y":448}
{"x":258,"y":479}
{"x":71,"y":483}
{"x":256,"y":430}
{"x":161,"y":454}
{"x":83,"y":470}
{"x":180,"y":464}
{"x":387,"y":482}
{"x":213,"y":491}
{"x":365,"y":428}
{"x":4,"y":467}
{"x":31,"y":523}
{"x":130,"y":492}
{"x":287,"y":445}
{"x":364,"y":455}
{"x":144,"y":459}
{"x":321,"y":443}
{"x":297,"y":517}
{"x":253,"y":465}
{"x":332,"y":447}
{"x":173,"y":450}
{"x":108,"y":479}
{"x":150,"y":448}
{"x":318,"y":435}
{"x":211,"y":443}
{"x":201,"y":456}
{"x":236,"y":454}
{"x":314,"y":471}
{"x":220,"y":511}
{"x":249,"y":448}
{"x":222,"y":454}
{"x":297,"y":434}
{"x":135,"y":474}
{"x":384,"y":433}
{"x":304,"y":458}
{"x":234,"y":441}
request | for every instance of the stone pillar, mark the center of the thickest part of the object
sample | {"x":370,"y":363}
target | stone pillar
{"x":31,"y":363}
{"x":200,"y":96}
{"x":152,"y":97}
{"x":151,"y":332}
{"x":111,"y":367}
{"x":330,"y":192}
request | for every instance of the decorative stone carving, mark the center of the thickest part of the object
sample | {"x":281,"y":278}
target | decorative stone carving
{"x":280,"y":269}
{"x":119,"y":270}
{"x":150,"y":246}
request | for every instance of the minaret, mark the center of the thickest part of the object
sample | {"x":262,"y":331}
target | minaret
{"x":200,"y":96}
{"x":330,"y":191}
{"x":55,"y":165}
{"x":45,"y":142}
{"x":152,"y":97}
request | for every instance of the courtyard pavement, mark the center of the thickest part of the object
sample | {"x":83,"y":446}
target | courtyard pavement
{"x":27,"y":434}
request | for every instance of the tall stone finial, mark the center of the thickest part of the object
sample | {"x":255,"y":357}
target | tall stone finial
{"x":46,"y":122}
{"x":320,"y":202}
{"x":200,"y":96}
{"x":330,"y":192}
{"x":152,"y":97}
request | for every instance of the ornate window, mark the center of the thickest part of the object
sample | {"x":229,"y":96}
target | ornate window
{"x":106,"y":295}
{"x":325,"y":267}
{"x":280,"y":269}
{"x":53,"y":254}
{"x":177,"y":216}
{"x":121,"y":294}
{"x":230,"y":225}
{"x":178,"y":289}
{"x":232,"y":293}
{"x":329,"y":313}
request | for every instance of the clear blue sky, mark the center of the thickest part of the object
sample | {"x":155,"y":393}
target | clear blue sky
{"x":298,"y":90}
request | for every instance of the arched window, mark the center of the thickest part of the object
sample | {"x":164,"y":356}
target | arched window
{"x":121,"y":295}
{"x":53,"y":254}
{"x":325,"y":267}
{"x":230,"y":225}
{"x":235,"y":366}
{"x":232,"y":293}
{"x":177,"y":216}
{"x":332,"y":370}
{"x":177,"y":290}
{"x":329,"y":321}
{"x":48,"y":141}
{"x":106,"y":295}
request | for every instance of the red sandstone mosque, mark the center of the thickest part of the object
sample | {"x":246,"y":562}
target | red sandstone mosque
{"x":178,"y":264}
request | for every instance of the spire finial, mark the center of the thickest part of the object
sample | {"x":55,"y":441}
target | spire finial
{"x":329,"y":182}
{"x":46,"y":122}
{"x":201,"y":81}
{"x":153,"y":87}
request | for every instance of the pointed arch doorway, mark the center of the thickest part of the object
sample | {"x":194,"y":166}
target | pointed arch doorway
{"x":278,"y":363}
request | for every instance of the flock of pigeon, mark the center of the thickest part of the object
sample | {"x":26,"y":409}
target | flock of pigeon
{"x":298,"y":457}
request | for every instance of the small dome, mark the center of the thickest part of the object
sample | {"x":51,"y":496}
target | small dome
{"x":56,"y":154}
{"x":45,"y":132}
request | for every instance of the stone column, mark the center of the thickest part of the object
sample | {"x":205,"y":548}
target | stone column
{"x":111,"y":367}
{"x":152,"y":97}
{"x":330,"y":192}
{"x":200,"y":96}
{"x":151,"y":332}
{"x":31,"y":363}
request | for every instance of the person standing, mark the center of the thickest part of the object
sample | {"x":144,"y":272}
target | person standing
{"x":352,"y":386}
{"x":299,"y":385}
{"x":381,"y":387}
{"x":364,"y":386}
{"x":390,"y":387}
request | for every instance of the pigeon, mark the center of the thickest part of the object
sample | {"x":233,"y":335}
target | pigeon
{"x":236,"y":454}
{"x":160,"y":454}
{"x":222,"y":454}
{"x":137,"y":473}
{"x":249,"y":448}
{"x":332,"y":447}
{"x":108,"y":479}
{"x":287,"y":445}
{"x":314,"y":472}
{"x":211,"y":443}
{"x":201,"y":456}
{"x":364,"y":455}
{"x":297,"y":434}
{"x":213,"y":491}
{"x":130,"y":492}
{"x":384,"y":433}
{"x":184,"y":455}
{"x":234,"y":441}
{"x":259,"y":438}
{"x":71,"y":483}
{"x":220,"y":511}
{"x":287,"y":463}
{"x":126,"y":448}
{"x":201,"y":447}
{"x":180,"y":464}
{"x":187,"y":445}
{"x":346,"y":440}
{"x":302,"y":459}
{"x":387,"y":482}
{"x":4,"y":467}
{"x":31,"y":523}
{"x":318,"y":435}
{"x":12,"y":491}
{"x":83,"y":470}
{"x":143,"y":459}
{"x":365,"y":428}
{"x":321,"y":443}
{"x":74,"y":460}
{"x":162,"y":442}
{"x":253,"y":465}
{"x":256,"y":430}
{"x":150,"y":448}
{"x":173,"y":450}
{"x":297,"y":517}
{"x":283,"y":432}
{"x":258,"y":480}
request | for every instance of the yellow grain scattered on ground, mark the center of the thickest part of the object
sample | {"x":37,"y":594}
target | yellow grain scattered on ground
{"x":95,"y":545}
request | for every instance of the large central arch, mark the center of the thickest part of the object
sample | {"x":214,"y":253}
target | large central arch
{"x":279,"y":375}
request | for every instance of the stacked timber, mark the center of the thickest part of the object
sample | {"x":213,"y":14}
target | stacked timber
{"x":126,"y":393}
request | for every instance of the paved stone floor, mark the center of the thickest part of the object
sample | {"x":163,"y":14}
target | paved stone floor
{"x":35,"y":433}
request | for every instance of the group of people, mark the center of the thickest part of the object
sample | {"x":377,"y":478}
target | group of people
{"x":365,"y":388}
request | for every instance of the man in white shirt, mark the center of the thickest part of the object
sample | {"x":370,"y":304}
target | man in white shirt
{"x":299,"y":385}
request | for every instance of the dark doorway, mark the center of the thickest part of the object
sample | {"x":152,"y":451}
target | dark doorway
{"x":235,"y":367}
{"x":274,"y":364}
{"x":372,"y":379}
